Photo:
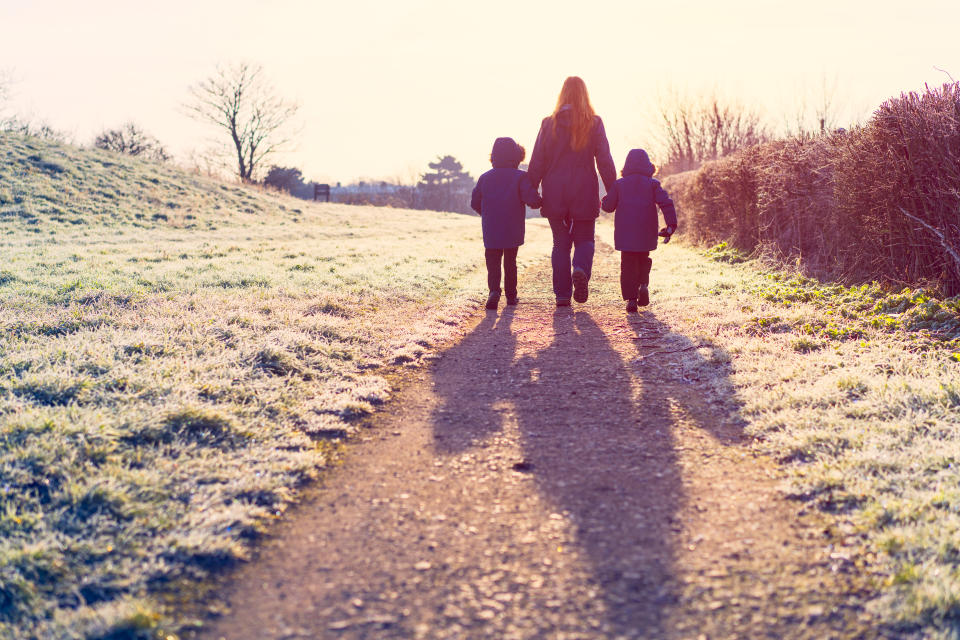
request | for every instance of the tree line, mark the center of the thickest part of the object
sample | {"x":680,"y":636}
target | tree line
{"x":446,"y":186}
{"x":255,"y":122}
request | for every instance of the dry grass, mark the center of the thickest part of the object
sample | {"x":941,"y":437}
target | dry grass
{"x":176,"y":357}
{"x":879,"y":202}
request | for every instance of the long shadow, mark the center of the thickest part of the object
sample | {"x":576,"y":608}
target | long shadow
{"x":473,"y":391}
{"x":603,"y":452}
{"x":597,"y":435}
{"x":671,"y":368}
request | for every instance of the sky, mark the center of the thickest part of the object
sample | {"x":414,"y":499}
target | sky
{"x":386,"y":86}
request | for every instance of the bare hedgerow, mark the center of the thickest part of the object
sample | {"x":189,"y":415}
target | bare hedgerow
{"x":694,"y":130}
{"x":876,"y":203}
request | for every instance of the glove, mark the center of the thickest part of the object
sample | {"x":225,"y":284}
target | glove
{"x":665,"y":233}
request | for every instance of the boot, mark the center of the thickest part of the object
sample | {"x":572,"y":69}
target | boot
{"x":580,"y":289}
{"x":643,"y":297}
{"x":493,"y":300}
{"x":631,"y":306}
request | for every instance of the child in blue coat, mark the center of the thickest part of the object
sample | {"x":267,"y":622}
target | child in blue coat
{"x":499,"y":198}
{"x":635,"y":197}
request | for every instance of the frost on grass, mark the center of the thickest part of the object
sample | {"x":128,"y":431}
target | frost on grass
{"x":167,"y":382}
{"x":193,"y":425}
{"x":857,"y":391}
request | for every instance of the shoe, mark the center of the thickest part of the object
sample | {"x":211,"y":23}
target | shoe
{"x":580,"y":291}
{"x":643,"y":297}
{"x":493,"y":300}
{"x":512,"y":302}
{"x":563,"y":302}
{"x":631,"y":306}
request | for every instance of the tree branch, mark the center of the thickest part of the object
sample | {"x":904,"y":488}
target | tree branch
{"x":943,"y":239}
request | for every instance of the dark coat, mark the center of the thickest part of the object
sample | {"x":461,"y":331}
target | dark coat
{"x":635,"y":197}
{"x":570,"y":187}
{"x":500,"y":195}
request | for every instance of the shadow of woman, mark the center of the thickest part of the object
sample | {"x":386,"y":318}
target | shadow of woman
{"x":584,"y":442}
{"x":601,"y":449}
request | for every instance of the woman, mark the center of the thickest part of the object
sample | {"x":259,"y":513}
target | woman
{"x":570,"y":143}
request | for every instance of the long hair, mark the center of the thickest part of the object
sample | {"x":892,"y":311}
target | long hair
{"x":574,"y":93}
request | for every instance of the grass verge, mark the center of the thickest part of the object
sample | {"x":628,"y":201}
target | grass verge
{"x":856,"y":391}
{"x":177,"y":356}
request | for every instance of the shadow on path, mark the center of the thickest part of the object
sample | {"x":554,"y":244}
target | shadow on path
{"x":598,"y":441}
{"x":556,"y":474}
{"x":472,"y":398}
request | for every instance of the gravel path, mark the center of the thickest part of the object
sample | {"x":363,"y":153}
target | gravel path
{"x":544,"y":479}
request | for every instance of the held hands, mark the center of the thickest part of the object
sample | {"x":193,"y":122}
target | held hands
{"x":665,"y":233}
{"x":607,"y":204}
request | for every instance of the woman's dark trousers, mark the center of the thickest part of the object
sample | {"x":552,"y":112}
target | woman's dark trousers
{"x":634,"y":272}
{"x":509,"y":258}
{"x":579,"y":236}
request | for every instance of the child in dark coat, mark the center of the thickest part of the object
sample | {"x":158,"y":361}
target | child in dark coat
{"x":499,"y":198}
{"x":635,"y":197}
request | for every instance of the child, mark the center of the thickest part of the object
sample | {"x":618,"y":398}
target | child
{"x":499,"y":198}
{"x":635,"y":197}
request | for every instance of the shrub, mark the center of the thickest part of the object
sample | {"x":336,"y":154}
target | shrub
{"x":131,"y":140}
{"x":877,"y":203}
{"x":286,"y":179}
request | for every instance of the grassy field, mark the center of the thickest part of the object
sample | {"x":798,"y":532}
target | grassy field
{"x":177,"y":356}
{"x":856,"y":392}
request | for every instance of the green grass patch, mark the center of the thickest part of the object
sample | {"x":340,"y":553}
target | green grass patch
{"x":723,"y":252}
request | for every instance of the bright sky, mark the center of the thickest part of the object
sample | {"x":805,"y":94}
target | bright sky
{"x":386,"y":86}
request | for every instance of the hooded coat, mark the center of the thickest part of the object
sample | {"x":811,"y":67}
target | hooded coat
{"x":635,"y":197}
{"x":500,"y":195}
{"x":569,"y":177}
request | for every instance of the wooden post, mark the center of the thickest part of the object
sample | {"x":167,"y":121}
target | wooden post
{"x":321,"y":190}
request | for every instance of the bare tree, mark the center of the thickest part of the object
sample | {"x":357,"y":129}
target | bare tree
{"x":239,"y":100}
{"x":817,"y":111}
{"x":20,"y":124}
{"x":694,"y":130}
{"x":6,"y":93}
{"x":131,"y":140}
{"x":34,"y":128}
{"x":5,"y":83}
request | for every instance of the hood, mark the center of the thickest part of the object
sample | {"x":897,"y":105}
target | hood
{"x":506,"y":153}
{"x":638,"y":162}
{"x":564,"y":115}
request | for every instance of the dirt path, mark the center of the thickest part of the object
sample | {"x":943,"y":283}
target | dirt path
{"x":556,"y":474}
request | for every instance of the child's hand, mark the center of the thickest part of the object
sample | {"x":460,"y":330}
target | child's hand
{"x":607,"y":205}
{"x":665,"y":233}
